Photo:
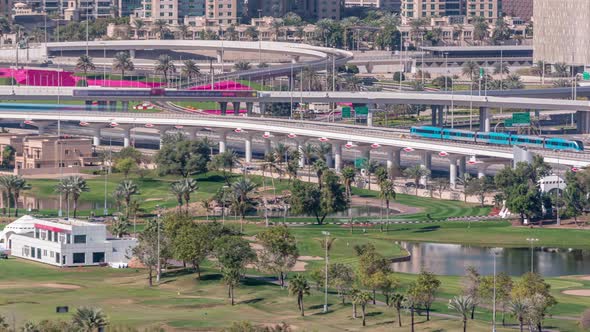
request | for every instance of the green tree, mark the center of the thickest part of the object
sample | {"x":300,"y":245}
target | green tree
{"x":387,"y":193}
{"x":125,"y":166}
{"x":183,"y":157}
{"x":471,"y":285}
{"x":529,"y":286}
{"x":19,"y":184}
{"x":190,"y":186}
{"x":341,"y":277}
{"x":309,"y":152}
{"x":177,"y":189}
{"x":122,"y":62}
{"x":89,"y":319}
{"x":412,"y":301}
{"x":503,"y":291}
{"x":518,"y":308}
{"x":120,"y":227}
{"x":462,"y":305}
{"x":348,"y":176}
{"x":130,"y":152}
{"x":427,"y":284}
{"x":279,"y":251}
{"x":233,"y":253}
{"x":242,"y":197}
{"x":362,"y":298}
{"x":299,"y":287}
{"x":242,"y":66}
{"x":85,"y":64}
{"x":470,"y":69}
{"x":372,"y":267}
{"x":574,"y":197}
{"x":190,"y":69}
{"x":397,"y":301}
{"x":306,"y":199}
{"x":226,"y":161}
{"x":127,"y":189}
{"x":192,"y":244}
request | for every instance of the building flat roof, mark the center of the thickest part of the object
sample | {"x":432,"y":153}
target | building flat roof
{"x":478,"y":48}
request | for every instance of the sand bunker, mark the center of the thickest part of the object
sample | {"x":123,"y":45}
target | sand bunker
{"x":44,"y":285}
{"x":577,"y":292}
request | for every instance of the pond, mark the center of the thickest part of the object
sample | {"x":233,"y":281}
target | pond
{"x":452,"y":259}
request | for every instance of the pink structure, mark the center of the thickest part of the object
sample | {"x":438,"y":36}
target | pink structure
{"x":223,"y":85}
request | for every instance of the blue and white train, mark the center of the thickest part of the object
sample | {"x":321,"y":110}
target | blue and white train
{"x":552,"y":143}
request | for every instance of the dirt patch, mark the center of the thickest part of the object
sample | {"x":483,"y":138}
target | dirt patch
{"x":299,"y":266}
{"x":310,"y":258}
{"x":44,"y":285}
{"x":577,"y":292}
{"x":375,"y":202}
{"x":256,"y":246}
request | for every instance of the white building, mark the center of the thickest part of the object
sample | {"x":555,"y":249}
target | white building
{"x":65,"y":242}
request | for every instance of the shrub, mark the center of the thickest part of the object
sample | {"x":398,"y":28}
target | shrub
{"x":397,"y":74}
{"x":82,"y":83}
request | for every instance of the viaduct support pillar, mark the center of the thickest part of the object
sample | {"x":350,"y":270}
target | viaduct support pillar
{"x":393,"y":161}
{"x":249,"y":106}
{"x":88,"y":105}
{"x":222,"y":141}
{"x":223,"y":106}
{"x":96,"y":135}
{"x":126,"y":136}
{"x":583,"y":122}
{"x":236,"y":105}
{"x":125,"y":106}
{"x":453,"y":171}
{"x":426,"y":163}
{"x":248,"y":148}
{"x":112,"y":105}
{"x":481,"y":170}
{"x":337,"y":149}
{"x":300,"y":144}
{"x":102,"y":105}
{"x":485,"y":119}
{"x":462,"y":166}
{"x":267,"y":146}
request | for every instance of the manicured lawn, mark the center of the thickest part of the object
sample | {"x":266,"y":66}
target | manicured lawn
{"x":203,"y":105}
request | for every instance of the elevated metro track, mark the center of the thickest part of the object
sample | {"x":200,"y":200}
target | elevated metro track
{"x":358,"y":135}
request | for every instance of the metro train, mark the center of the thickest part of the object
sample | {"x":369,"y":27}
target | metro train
{"x":551,"y":143}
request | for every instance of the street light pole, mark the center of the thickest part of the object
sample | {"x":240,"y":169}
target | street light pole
{"x":326,"y":234}
{"x":495,"y":253}
{"x":158,"y":267}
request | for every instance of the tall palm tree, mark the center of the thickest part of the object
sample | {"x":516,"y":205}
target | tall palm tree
{"x":348,"y":176}
{"x":177,"y":189}
{"x":501,"y":68}
{"x":183,"y":31}
{"x":12,"y":185}
{"x":123,"y":63}
{"x":518,"y":309}
{"x":362,"y":298}
{"x":160,"y":27}
{"x":120,"y":227}
{"x":470,"y":69}
{"x":242,"y":65}
{"x":138,"y":25}
{"x":64,"y":187}
{"x":190,"y":69}
{"x":387,"y":193}
{"x":397,"y":301}
{"x":561,"y":69}
{"x":320,"y":168}
{"x":89,"y":319}
{"x":416,"y":173}
{"x":323,"y":150}
{"x":370,"y":167}
{"x":78,"y":186}
{"x":127,"y":189}
{"x":85,"y":64}
{"x":231,"y":33}
{"x":242,"y":197}
{"x":165,"y":66}
{"x":226,"y":161}
{"x":462,"y":305}
{"x":309,"y":152}
{"x":190,"y":186}
{"x":299,"y":287}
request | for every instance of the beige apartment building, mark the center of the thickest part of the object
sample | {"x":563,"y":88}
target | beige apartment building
{"x":225,"y":12}
{"x":562,"y":31}
{"x":362,"y":3}
{"x":413,"y":9}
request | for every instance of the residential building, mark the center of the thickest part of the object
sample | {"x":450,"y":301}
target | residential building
{"x":274,"y":8}
{"x":362,"y":3}
{"x":5,"y":7}
{"x":393,"y":5}
{"x":13,"y":144}
{"x":562,"y":30}
{"x":225,"y":12}
{"x":66,"y":243}
{"x":414,"y":9}
{"x":173,"y":12}
{"x":518,"y":8}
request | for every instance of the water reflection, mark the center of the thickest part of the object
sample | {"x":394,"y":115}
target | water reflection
{"x":354,"y":211}
{"x":31,"y":203}
{"x":452,"y":259}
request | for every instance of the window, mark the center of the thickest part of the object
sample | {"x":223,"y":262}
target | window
{"x":39,"y":253}
{"x":98,"y":257}
{"x":79,"y":238}
{"x":79,"y":258}
{"x":37,"y":233}
{"x":33,"y":252}
{"x":55,"y":235}
{"x":44,"y":253}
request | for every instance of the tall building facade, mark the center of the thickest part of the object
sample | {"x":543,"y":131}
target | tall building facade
{"x":224,"y":12}
{"x":413,"y":9}
{"x":171,"y":11}
{"x":274,"y":8}
{"x":519,"y":8}
{"x":562,"y":31}
{"x":317,"y":9}
{"x":362,"y":3}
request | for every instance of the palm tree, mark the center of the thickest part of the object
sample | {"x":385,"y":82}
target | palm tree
{"x":190,"y":69}
{"x":4,"y":323}
{"x":270,"y":164}
{"x":226,"y":161}
{"x":64,"y":187}
{"x":518,"y":309}
{"x":231,"y":33}
{"x":190,"y":186}
{"x":320,"y":168}
{"x":78,"y":186}
{"x":471,"y":69}
{"x":370,"y":167}
{"x":160,"y":27}
{"x":299,"y":287}
{"x":309,"y":152}
{"x":251,"y":33}
{"x":387,"y":193}
{"x":165,"y":66}
{"x":89,"y":319}
{"x":242,"y":197}
{"x":127,"y":189}
{"x":397,"y":301}
{"x":120,"y":227}
{"x":462,"y":305}
{"x":416,"y":173}
{"x":177,"y":189}
{"x":138,"y":24}
{"x":561,"y":69}
{"x":362,"y":298}
{"x":348,"y":176}
{"x":183,"y":31}
{"x":501,"y":68}
{"x":123,"y":63}
{"x":18,"y":184}
{"x":242,"y":65}
{"x":85,"y":64}
{"x":323,"y":150}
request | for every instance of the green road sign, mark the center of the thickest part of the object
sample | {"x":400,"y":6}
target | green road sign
{"x":361,"y":110}
{"x":359,"y":162}
{"x":345,"y":112}
{"x":521,"y":119}
{"x":481,"y":72}
{"x":586,"y":76}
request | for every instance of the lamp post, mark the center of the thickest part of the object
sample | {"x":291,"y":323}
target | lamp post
{"x":158,"y":267}
{"x":446,"y":68}
{"x":531,"y":241}
{"x":223,"y":204}
{"x":495,"y":253}
{"x":558,"y":200}
{"x":326,"y":234}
